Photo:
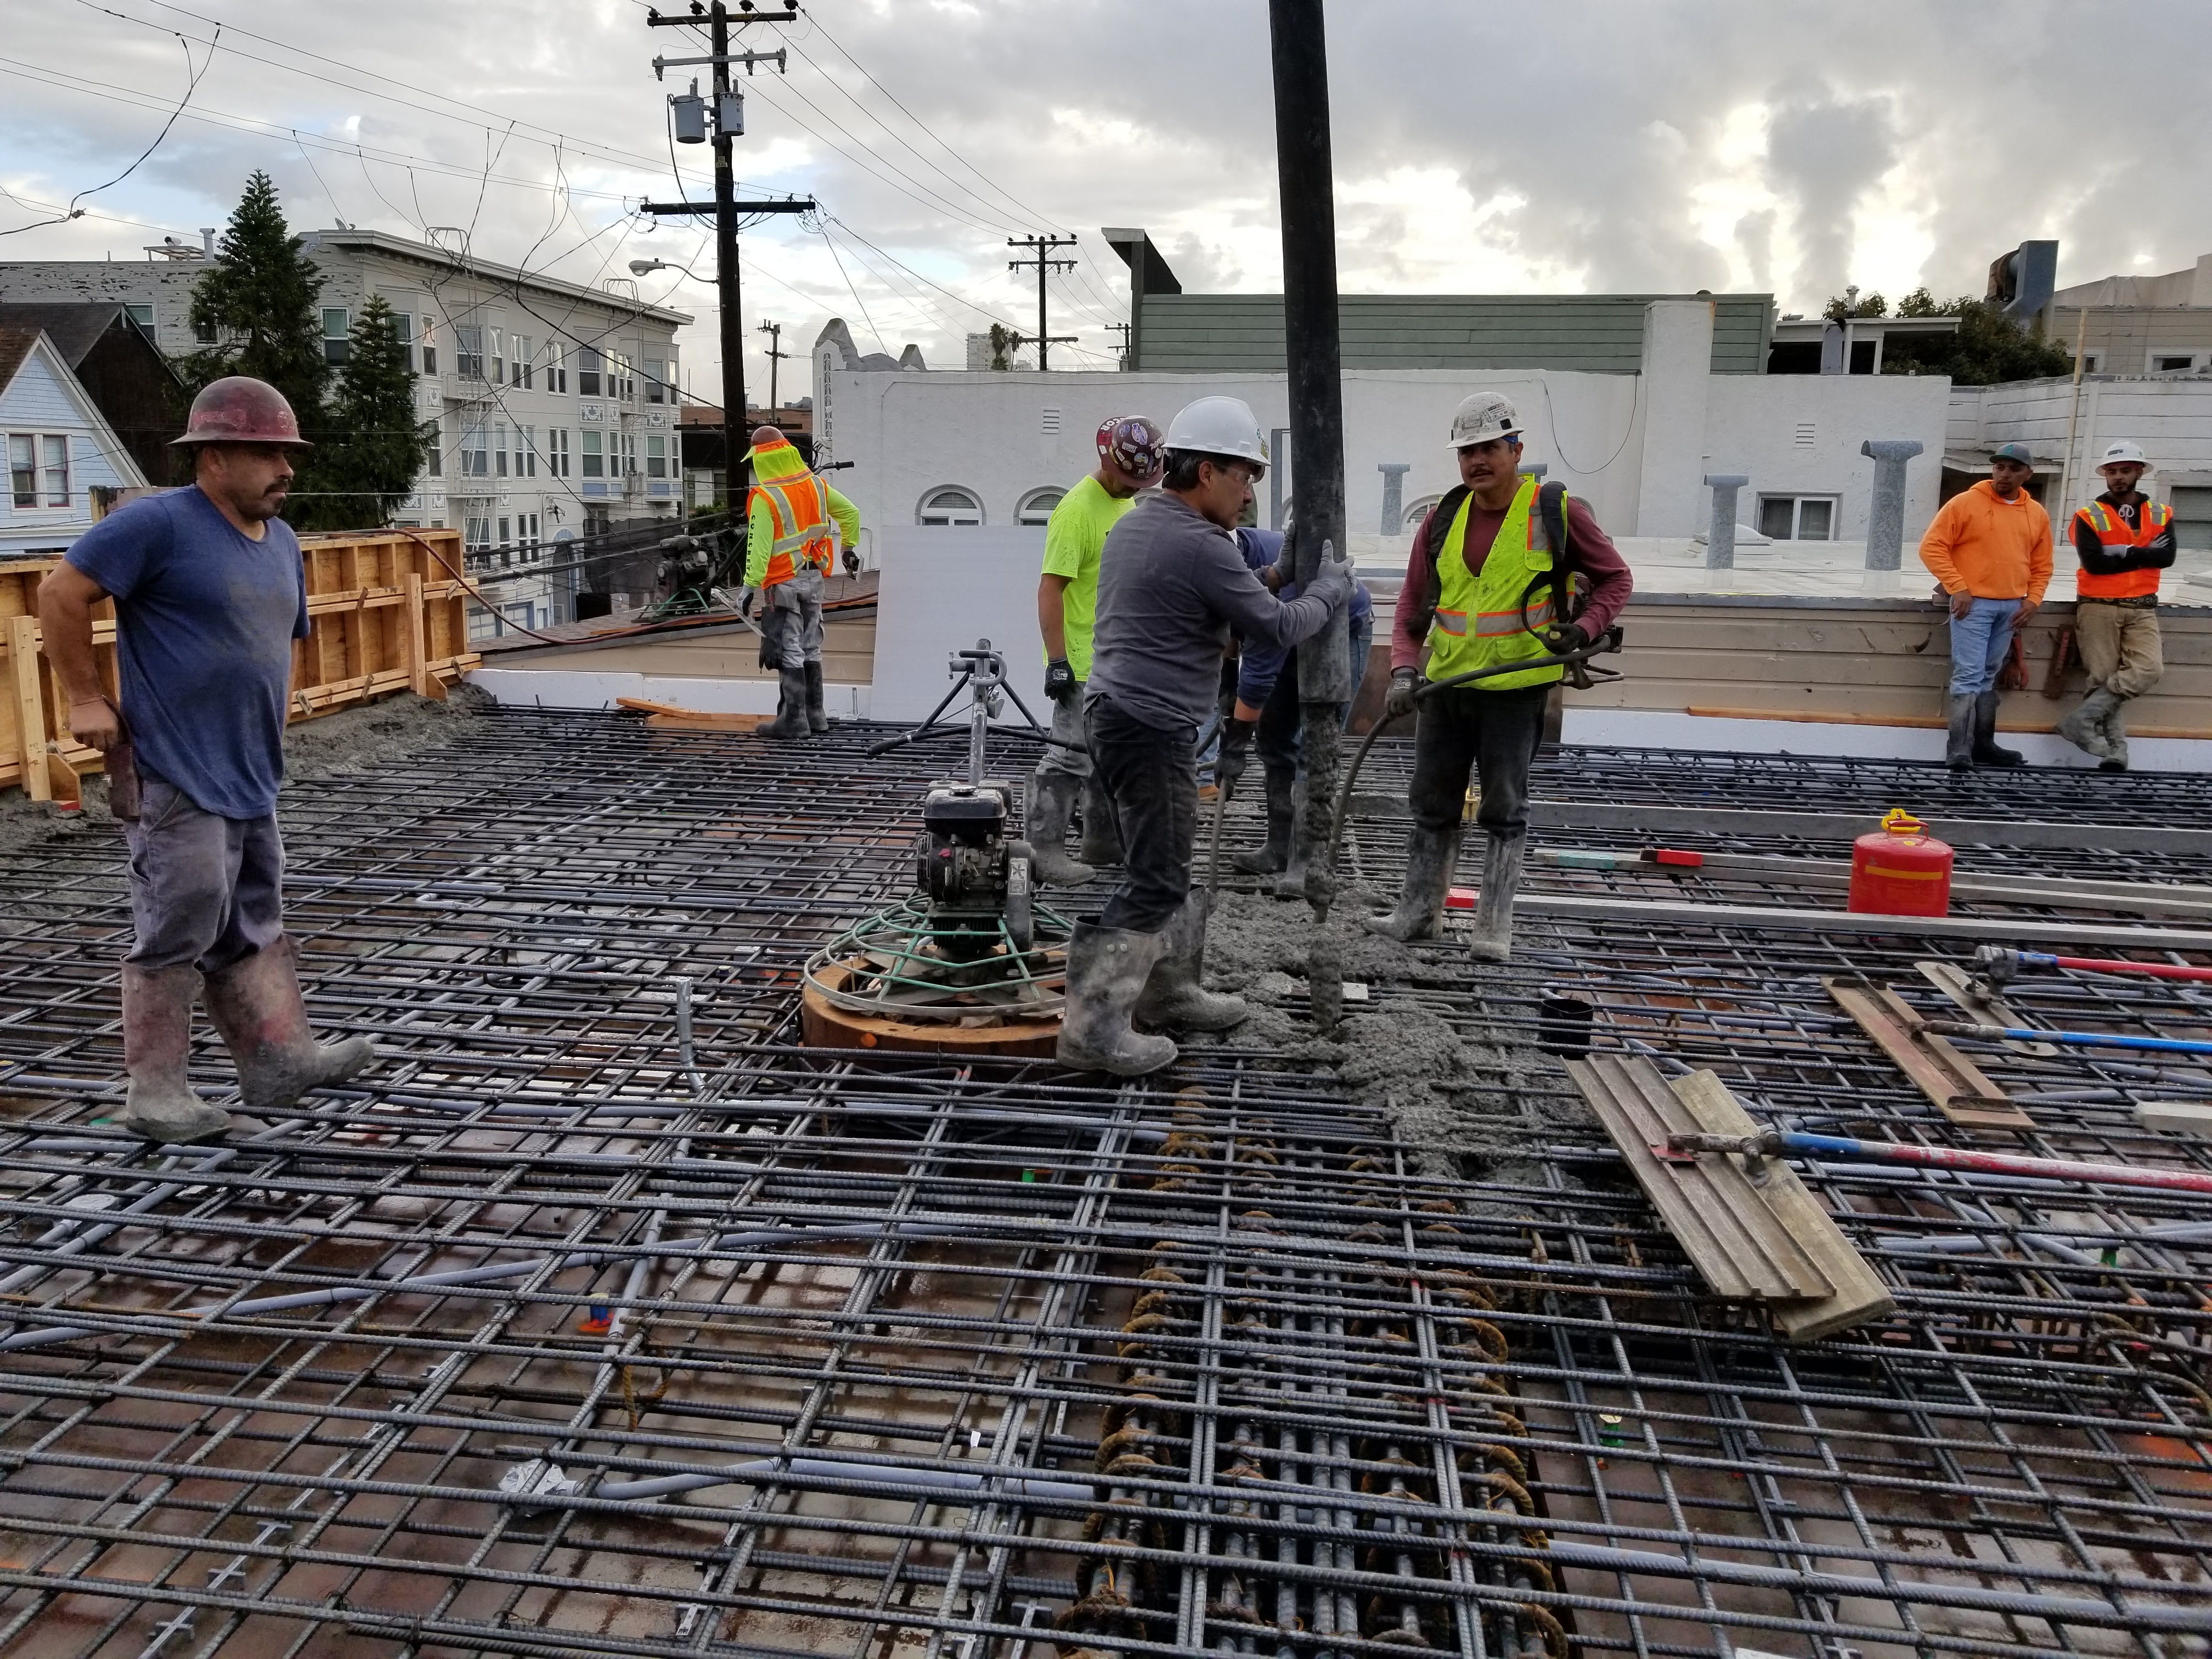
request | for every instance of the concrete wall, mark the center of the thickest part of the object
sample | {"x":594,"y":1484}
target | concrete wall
{"x":2171,"y":419}
{"x":1001,"y":436}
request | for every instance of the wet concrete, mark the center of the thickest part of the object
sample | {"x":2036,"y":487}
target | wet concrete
{"x":1455,"y":1088}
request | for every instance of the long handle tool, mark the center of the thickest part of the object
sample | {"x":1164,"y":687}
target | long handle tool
{"x":1773,"y":1142}
{"x":2068,"y":1039}
{"x":1999,"y":964}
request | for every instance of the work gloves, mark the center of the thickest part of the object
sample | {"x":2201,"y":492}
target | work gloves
{"x":852,"y":560}
{"x":1059,"y":681}
{"x":1565,"y":638}
{"x":1236,"y":751}
{"x":1332,"y":581}
{"x":1399,"y":699}
{"x":748,"y":601}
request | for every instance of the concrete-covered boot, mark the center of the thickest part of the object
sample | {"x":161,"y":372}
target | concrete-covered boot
{"x":790,"y":720}
{"x":1430,"y":855}
{"x":1052,"y":803}
{"x":1275,"y":855}
{"x":2085,"y":727}
{"x":257,"y":1006}
{"x":1174,"y":995}
{"x":817,"y":720}
{"x":1493,"y":938}
{"x":1986,"y":752}
{"x":1959,"y":738}
{"x":1102,"y":834}
{"x":2115,"y":732}
{"x":1107,"y":968}
{"x":157,"y":1040}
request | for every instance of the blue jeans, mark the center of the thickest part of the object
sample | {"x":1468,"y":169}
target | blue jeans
{"x":1980,"y":641}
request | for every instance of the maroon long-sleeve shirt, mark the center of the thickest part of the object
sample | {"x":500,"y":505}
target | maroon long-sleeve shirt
{"x":1592,"y":553}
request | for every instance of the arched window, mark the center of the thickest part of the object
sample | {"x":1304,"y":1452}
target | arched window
{"x":950,"y":504}
{"x":1036,"y":507}
{"x":1417,"y":511}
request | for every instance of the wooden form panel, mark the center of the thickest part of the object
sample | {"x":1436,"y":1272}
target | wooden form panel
{"x":386,"y":613}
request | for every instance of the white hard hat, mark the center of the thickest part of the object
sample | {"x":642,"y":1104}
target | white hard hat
{"x":1218,"y":426}
{"x":2124,"y":451}
{"x":1485,"y":415}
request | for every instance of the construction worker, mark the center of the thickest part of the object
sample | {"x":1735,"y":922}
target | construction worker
{"x":1172,"y":586}
{"x":209,"y":597}
{"x":1130,"y":459}
{"x":1266,"y":715}
{"x":2124,"y":539}
{"x":1990,"y":547}
{"x":1477,"y":593}
{"x":788,"y":550}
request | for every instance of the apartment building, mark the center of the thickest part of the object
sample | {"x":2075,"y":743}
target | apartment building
{"x":555,"y":404}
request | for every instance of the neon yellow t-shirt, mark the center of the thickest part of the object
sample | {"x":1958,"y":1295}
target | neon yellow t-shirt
{"x":1073,"y":537}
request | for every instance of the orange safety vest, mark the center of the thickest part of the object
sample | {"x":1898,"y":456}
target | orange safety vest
{"x":798,"y":510}
{"x":2113,"y":532}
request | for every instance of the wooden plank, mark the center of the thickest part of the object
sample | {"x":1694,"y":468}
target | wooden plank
{"x":1958,"y":985}
{"x":686,"y":720}
{"x":1954,"y":1085}
{"x":1859,"y":1294}
{"x":30,"y":713}
{"x":413,"y":644}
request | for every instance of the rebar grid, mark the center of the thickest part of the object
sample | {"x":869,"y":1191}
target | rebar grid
{"x":814,"y":1357}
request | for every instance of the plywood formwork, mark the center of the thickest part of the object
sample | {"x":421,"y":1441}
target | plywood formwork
{"x":385,"y":612}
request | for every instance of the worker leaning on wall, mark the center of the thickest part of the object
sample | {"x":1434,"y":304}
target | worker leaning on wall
{"x":208,"y":595}
{"x":2124,"y":539}
{"x":1990,"y":547}
{"x":788,"y":552}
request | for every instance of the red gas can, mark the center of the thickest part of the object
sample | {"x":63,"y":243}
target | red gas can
{"x":1900,"y":870}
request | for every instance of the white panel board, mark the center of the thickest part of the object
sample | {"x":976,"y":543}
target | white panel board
{"x":1652,"y":728}
{"x":571,"y":688}
{"x":942,"y":589}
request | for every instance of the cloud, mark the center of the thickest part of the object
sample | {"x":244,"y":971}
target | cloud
{"x":1595,"y":145}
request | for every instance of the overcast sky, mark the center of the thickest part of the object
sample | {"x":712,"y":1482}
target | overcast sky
{"x":1581,"y":146}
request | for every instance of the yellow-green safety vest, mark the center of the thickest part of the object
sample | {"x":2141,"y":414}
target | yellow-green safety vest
{"x":1478,"y":622}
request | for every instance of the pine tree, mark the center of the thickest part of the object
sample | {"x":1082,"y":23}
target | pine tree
{"x":373,"y":445}
{"x":260,"y":300}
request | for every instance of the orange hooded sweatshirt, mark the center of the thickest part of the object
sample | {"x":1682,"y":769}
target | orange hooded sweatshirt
{"x":1983,"y":544}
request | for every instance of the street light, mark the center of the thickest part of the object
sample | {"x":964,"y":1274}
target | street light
{"x":645,"y":267}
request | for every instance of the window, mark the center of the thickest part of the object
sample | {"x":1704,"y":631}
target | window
{"x":336,"y":321}
{"x":1417,"y":511}
{"x":1797,"y":518}
{"x":556,"y":452}
{"x":656,"y":380}
{"x":656,"y":456}
{"x":2093,"y":363}
{"x":520,"y":369}
{"x":949,"y":506}
{"x":203,"y":333}
{"x":57,"y":470}
{"x":403,"y":330}
{"x":525,"y":451}
{"x":476,"y":534}
{"x":429,"y":348}
{"x":499,"y":450}
{"x":498,"y":358}
{"x":475,"y":456}
{"x":436,"y":464}
{"x":2170,"y":362}
{"x":627,"y":443}
{"x":2192,"y":516}
{"x":525,"y":532}
{"x":557,"y":368}
{"x":595,"y":463}
{"x":23,"y":468}
{"x":142,"y":315}
{"x":588,"y":366}
{"x":468,"y":351}
{"x":1036,"y":507}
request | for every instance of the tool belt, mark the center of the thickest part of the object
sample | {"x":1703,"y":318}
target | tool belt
{"x":2132,"y":601}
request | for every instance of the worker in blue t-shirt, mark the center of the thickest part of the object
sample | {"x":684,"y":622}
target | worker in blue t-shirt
{"x":1264,"y":714}
{"x":209,"y":597}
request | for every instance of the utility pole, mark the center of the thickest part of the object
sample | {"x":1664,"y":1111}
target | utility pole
{"x":1122,"y":329}
{"x":729,"y":106}
{"x":1306,"y":180}
{"x":1041,"y":247}
{"x":775,"y":355}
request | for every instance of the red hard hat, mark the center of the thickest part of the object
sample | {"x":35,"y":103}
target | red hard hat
{"x":1134,"y":444}
{"x":240,"y":409}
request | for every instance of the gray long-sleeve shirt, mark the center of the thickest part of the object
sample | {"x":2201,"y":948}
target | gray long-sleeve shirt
{"x":1171,"y":585}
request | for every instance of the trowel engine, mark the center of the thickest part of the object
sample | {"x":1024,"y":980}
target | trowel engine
{"x":967,"y":865}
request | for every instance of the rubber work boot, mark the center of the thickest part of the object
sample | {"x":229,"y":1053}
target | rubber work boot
{"x":1429,"y":856}
{"x":1102,"y":836}
{"x":2115,"y":730}
{"x":1292,"y":883}
{"x":1986,"y":752}
{"x":1052,"y":803}
{"x":790,"y":720}
{"x":1493,"y":938}
{"x":1275,"y":855}
{"x":1958,"y":741}
{"x":157,"y":1040}
{"x":2085,"y":727}
{"x":256,"y":1006}
{"x":1107,"y":968}
{"x":1174,"y":997}
{"x":816,"y":720}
